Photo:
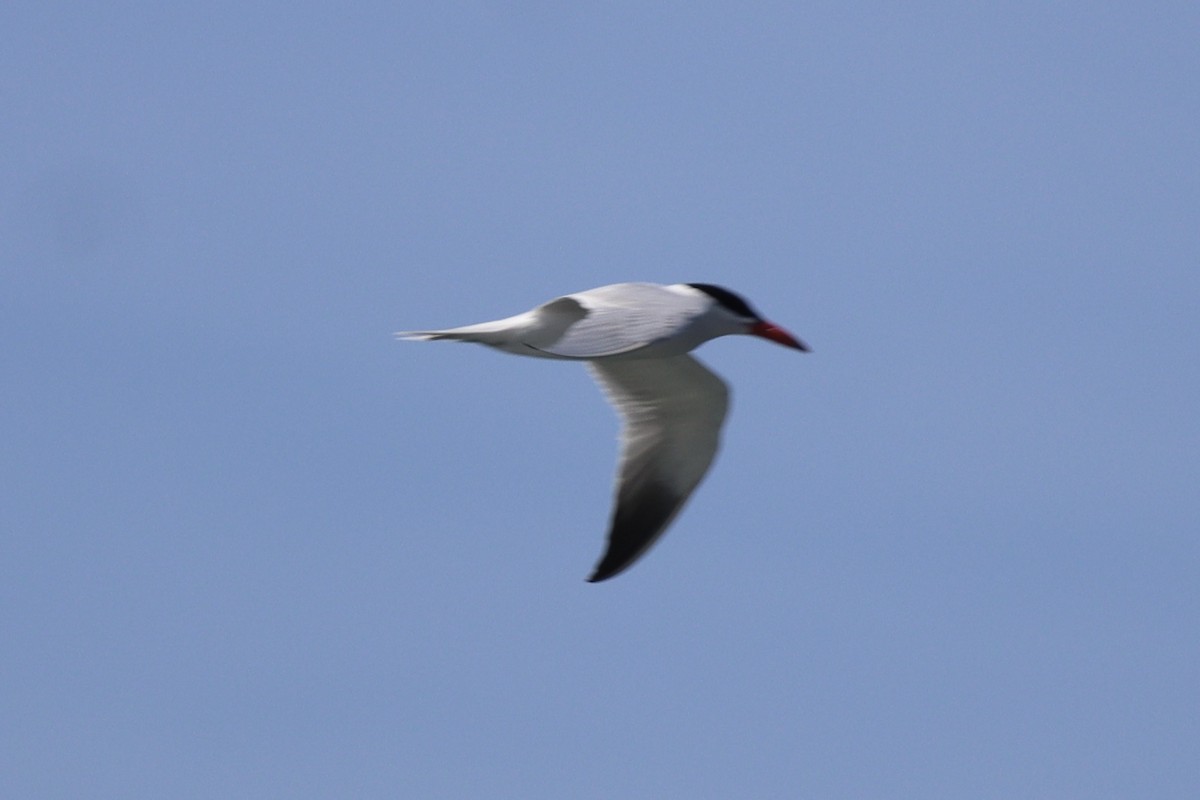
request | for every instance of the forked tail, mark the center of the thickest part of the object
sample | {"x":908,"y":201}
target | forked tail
{"x":493,"y":333}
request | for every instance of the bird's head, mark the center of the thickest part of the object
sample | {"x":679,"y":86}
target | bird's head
{"x":746,"y":318}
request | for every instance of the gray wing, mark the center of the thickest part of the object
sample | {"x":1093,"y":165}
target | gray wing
{"x":617,"y":319}
{"x":672,"y":410}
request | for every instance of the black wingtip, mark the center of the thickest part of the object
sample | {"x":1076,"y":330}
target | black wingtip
{"x":598,"y":576}
{"x":608,"y":568}
{"x":643,"y":512}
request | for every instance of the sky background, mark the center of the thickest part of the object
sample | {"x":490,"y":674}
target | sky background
{"x":251,"y":547}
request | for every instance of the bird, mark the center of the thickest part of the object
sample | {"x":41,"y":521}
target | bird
{"x":635,"y":339}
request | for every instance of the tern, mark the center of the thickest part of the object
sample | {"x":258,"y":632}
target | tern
{"x":635,"y":339}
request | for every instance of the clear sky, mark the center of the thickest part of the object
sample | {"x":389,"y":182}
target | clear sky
{"x":252,"y":547}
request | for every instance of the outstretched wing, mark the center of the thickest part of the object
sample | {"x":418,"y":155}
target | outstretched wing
{"x":672,"y":410}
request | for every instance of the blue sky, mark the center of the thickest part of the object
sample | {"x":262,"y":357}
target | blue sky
{"x":253,"y":547}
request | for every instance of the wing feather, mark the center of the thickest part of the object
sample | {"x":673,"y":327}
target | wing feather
{"x":672,"y":410}
{"x":623,"y":318}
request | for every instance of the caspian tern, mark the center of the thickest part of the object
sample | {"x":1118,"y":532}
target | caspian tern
{"x":635,"y":338}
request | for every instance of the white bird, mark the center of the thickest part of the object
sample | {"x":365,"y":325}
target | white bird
{"x":635,"y":338}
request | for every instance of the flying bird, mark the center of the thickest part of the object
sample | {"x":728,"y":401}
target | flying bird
{"x":635,"y":338}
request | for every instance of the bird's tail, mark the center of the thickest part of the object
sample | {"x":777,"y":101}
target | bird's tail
{"x":484,"y":333}
{"x":426,"y":336}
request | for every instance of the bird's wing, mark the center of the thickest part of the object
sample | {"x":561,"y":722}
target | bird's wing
{"x":671,"y":410}
{"x":616,"y":319}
